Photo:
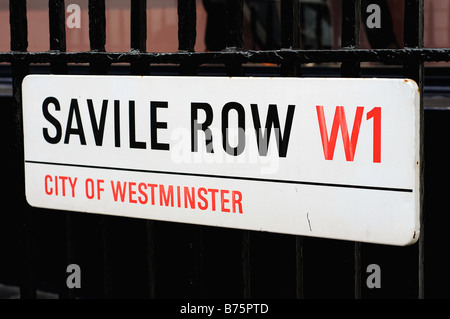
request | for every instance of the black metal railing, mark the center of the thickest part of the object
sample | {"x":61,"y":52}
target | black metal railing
{"x":235,"y":259}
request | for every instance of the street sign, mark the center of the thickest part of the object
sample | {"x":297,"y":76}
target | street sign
{"x":333,"y":158}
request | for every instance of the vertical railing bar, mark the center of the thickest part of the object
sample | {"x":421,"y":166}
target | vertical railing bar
{"x":19,"y":25}
{"x":290,"y":39}
{"x":106,"y":258}
{"x":357,"y":261}
{"x":97,"y":40}
{"x":187,"y":33}
{"x":97,"y":25}
{"x":138,"y":41}
{"x":350,"y":38}
{"x":413,"y":24}
{"x":290,"y":34}
{"x":138,"y":36}
{"x":97,"y":34}
{"x":234,"y":40}
{"x":414,"y":38}
{"x":246,"y":264}
{"x":150,"y":257}
{"x":56,"y":14}
{"x":351,"y":17}
{"x":234,"y":24}
{"x":19,"y":42}
{"x":299,"y":284}
{"x":138,"y":27}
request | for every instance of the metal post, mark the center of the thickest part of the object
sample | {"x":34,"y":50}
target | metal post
{"x":290,"y":39}
{"x":234,"y":40}
{"x":97,"y":39}
{"x":187,"y":22}
{"x":138,"y":35}
{"x":414,"y":38}
{"x":351,"y":16}
{"x":138,"y":42}
{"x":19,"y":42}
{"x":56,"y":15}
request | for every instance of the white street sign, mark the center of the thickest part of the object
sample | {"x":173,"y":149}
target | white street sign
{"x":334,"y":158}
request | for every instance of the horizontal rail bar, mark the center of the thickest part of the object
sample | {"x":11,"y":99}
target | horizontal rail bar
{"x":244,"y":56}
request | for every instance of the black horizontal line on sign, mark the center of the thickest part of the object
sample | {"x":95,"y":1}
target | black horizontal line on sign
{"x":255,"y":179}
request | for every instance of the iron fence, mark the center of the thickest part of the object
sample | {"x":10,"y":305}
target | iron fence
{"x":122,"y":257}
